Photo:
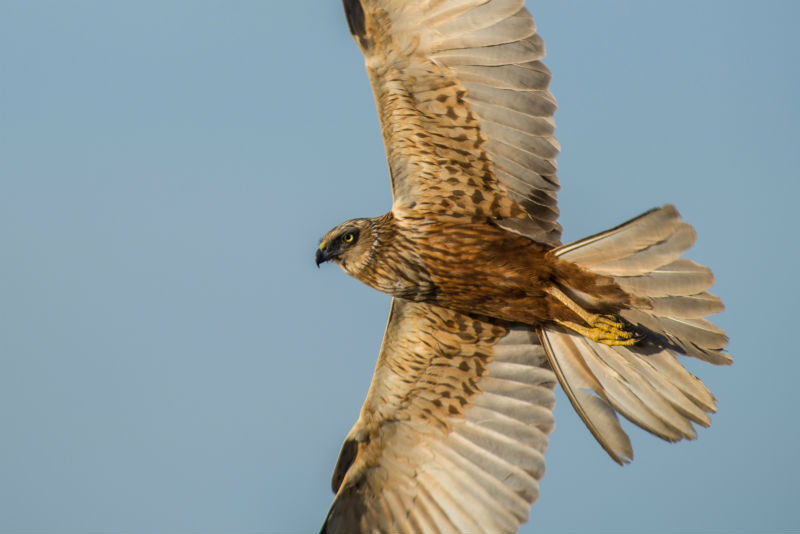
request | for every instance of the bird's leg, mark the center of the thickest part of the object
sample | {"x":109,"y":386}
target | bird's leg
{"x":604,"y":328}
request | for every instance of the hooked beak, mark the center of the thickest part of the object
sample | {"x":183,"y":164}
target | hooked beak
{"x":323,"y":254}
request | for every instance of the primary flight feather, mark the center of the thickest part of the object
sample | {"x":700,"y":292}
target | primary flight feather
{"x":490,"y":310}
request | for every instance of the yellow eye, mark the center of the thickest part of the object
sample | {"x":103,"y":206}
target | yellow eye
{"x":348,"y":238}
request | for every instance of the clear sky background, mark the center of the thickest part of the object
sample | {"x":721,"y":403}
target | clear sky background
{"x":171,"y":360}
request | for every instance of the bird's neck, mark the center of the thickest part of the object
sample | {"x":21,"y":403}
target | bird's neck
{"x":392,"y":266}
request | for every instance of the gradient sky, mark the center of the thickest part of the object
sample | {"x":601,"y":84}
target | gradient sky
{"x":170,"y":358}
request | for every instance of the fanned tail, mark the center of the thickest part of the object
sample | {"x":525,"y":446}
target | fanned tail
{"x":645,"y":382}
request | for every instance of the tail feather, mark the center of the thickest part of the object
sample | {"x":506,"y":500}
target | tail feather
{"x":626,"y":239}
{"x":651,"y":258}
{"x":586,"y":394}
{"x":680,"y":277}
{"x":630,"y":393}
{"x":645,"y":382}
{"x":687,"y":306}
{"x":698,"y":338}
{"x":670,"y":388}
{"x":668,"y":366}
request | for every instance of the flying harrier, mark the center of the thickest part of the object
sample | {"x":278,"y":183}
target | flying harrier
{"x":490,"y":309}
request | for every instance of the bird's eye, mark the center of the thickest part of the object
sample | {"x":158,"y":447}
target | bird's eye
{"x":348,"y":237}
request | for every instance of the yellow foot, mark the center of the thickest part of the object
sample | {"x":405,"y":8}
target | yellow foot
{"x":604,"y":330}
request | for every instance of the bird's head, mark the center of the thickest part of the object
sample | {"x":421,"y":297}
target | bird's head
{"x":350,"y":245}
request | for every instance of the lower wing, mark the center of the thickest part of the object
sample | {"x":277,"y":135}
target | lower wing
{"x":453,"y":432}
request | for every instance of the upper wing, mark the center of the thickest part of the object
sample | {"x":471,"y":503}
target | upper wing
{"x":453,"y":432}
{"x":466,"y":115}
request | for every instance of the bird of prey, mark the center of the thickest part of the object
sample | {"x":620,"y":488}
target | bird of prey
{"x":490,"y":310}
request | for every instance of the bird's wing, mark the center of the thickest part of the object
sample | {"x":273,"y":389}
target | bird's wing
{"x":465,"y":110}
{"x":453,"y":431}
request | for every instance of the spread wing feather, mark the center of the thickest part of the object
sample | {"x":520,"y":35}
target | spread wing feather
{"x":453,"y":432}
{"x":465,"y":109}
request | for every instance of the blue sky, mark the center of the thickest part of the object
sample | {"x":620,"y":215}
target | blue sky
{"x":172,"y":360}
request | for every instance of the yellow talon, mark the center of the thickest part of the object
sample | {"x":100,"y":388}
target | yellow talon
{"x":606,"y":320}
{"x":603,"y":333}
{"x":624,"y":342}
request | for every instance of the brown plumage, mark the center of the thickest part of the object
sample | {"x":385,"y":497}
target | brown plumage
{"x":470,"y":267}
{"x":490,"y":309}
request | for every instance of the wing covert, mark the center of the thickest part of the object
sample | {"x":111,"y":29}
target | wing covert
{"x":465,"y":110}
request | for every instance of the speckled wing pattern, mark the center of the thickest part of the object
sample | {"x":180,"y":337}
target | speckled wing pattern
{"x":453,"y":431}
{"x":465,"y":110}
